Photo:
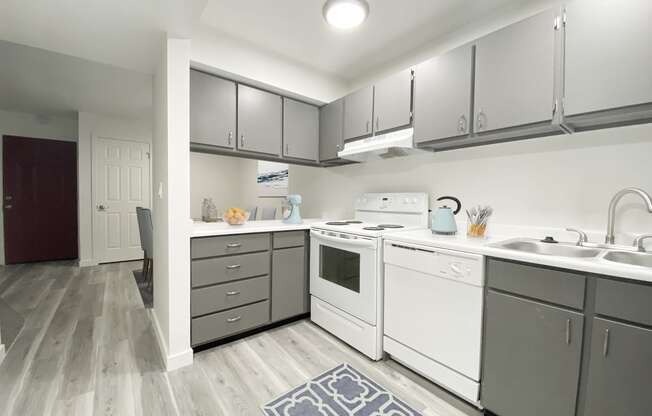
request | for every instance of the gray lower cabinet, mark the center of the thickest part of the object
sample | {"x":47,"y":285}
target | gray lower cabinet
{"x":620,"y":370}
{"x":230,"y":322}
{"x":515,"y":75}
{"x":532,"y":354}
{"x":244,"y":281}
{"x":212,"y":110}
{"x":259,"y":121}
{"x":330,"y":130}
{"x":358,"y":113}
{"x":393,"y":102}
{"x":442,"y":96}
{"x":290,"y":283}
{"x":608,"y":62}
{"x":300,"y":130}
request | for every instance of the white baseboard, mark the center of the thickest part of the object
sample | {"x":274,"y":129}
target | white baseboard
{"x":86,"y":263}
{"x":172,"y":362}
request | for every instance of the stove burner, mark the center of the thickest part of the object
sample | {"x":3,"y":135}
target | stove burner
{"x":373,"y":228}
{"x":337,"y":223}
{"x":390,"y":226}
{"x":353,"y":222}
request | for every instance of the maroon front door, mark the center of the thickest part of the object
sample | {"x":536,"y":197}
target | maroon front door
{"x":40,"y":199}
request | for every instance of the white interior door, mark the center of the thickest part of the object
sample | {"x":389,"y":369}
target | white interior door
{"x":121,"y":182}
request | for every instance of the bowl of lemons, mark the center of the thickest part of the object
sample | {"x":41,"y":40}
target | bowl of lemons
{"x":235,"y":216}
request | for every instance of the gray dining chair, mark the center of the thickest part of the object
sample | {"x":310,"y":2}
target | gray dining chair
{"x":146,"y":229}
{"x":269,"y":213}
{"x":252,"y":213}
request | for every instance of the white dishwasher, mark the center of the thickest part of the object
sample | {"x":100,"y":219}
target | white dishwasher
{"x":433,"y":314}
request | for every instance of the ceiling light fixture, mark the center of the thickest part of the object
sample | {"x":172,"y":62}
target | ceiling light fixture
{"x":345,"y":14}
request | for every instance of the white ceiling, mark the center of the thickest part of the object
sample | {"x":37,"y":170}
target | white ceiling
{"x":123,"y":33}
{"x":296,"y":30}
{"x":42,"y":82}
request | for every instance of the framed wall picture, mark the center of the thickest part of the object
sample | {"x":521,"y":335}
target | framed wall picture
{"x":272,"y":180}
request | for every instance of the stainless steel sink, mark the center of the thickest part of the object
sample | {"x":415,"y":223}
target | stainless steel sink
{"x":632,"y":258}
{"x":549,"y":249}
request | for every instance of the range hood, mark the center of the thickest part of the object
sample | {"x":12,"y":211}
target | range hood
{"x":384,"y":146}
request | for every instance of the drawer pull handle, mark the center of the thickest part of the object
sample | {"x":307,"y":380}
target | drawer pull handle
{"x":605,"y":346}
{"x":233,"y":245}
{"x":235,"y":319}
{"x":235,"y":292}
{"x":233,"y":266}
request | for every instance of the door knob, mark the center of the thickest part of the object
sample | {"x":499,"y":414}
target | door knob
{"x":101,"y":207}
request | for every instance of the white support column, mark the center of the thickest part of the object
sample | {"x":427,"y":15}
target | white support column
{"x":171,"y":211}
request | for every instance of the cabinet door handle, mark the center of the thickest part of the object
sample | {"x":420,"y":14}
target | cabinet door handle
{"x":233,"y":266}
{"x":234,"y":319}
{"x":287,"y":149}
{"x":377,"y":123}
{"x":480,"y":119}
{"x":233,"y":245}
{"x":568,"y":331}
{"x":230,"y":137}
{"x":242,"y":140}
{"x":367,"y":128}
{"x":605,"y":345}
{"x":234,"y":293}
{"x":461,"y":124}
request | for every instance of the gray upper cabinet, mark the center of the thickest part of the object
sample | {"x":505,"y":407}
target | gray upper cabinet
{"x":259,"y":121}
{"x":608,"y":60}
{"x":620,"y":371}
{"x":442,"y":96}
{"x":300,"y":130}
{"x":515,"y":74}
{"x":532,"y":355}
{"x":358,"y":113}
{"x":393,"y":102}
{"x":212,"y":110}
{"x":330,"y":130}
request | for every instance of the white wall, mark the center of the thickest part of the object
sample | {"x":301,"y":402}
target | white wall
{"x":171,"y":213}
{"x":238,"y":60}
{"x":230,"y":181}
{"x":31,"y":125}
{"x":102,"y":126}
{"x":213,"y":176}
{"x":558,"y":181}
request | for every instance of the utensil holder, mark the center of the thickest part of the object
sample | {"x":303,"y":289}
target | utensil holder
{"x":476,"y":230}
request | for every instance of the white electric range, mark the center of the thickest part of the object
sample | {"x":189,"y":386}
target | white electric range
{"x":346,"y":266}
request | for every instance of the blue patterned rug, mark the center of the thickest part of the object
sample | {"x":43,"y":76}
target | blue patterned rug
{"x":342,"y":391}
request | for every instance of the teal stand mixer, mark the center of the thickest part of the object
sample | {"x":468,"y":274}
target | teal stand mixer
{"x":293,"y":215}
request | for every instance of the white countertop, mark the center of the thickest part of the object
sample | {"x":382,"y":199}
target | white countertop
{"x":482,"y":246}
{"x":208,"y":229}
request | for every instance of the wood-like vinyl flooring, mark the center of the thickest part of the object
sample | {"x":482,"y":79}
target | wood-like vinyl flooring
{"x":88,"y":348}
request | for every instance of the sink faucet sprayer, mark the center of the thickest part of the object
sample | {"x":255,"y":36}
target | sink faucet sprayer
{"x":611,"y":238}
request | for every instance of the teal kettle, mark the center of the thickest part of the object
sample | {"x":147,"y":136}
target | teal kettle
{"x":293,"y":215}
{"x":443,"y":218}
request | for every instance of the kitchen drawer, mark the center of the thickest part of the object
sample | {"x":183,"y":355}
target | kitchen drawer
{"x":228,"y":244}
{"x":554,"y":286}
{"x":224,"y":269}
{"x":229,"y":295}
{"x":223,"y":324}
{"x":624,"y":300}
{"x":289,"y":239}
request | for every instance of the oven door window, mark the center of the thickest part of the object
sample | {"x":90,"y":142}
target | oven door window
{"x":340,"y":267}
